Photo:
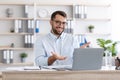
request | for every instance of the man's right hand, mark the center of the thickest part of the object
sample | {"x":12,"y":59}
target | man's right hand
{"x":55,"y":57}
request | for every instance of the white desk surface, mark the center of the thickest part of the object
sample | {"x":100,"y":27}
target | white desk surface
{"x":36,"y":74}
{"x":62,"y":75}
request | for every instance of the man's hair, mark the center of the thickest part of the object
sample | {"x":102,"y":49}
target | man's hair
{"x":62,"y":13}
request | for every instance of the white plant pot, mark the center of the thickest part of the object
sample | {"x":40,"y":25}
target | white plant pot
{"x":112,"y":61}
{"x":91,"y":30}
{"x":23,"y":60}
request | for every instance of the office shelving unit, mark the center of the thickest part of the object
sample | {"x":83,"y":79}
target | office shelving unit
{"x":16,"y":38}
{"x":34,"y":11}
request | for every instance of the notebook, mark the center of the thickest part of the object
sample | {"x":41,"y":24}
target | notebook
{"x":87,"y":58}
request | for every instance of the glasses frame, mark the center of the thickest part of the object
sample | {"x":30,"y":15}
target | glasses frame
{"x":57,"y":22}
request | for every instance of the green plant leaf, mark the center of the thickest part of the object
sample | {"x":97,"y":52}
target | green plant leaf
{"x":23,"y":55}
{"x":107,"y":45}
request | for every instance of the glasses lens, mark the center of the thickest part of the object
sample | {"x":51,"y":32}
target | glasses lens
{"x":59,"y":22}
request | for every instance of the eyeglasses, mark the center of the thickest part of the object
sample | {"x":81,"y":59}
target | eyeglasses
{"x":59,"y":22}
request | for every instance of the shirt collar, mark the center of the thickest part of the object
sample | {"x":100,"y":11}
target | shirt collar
{"x":55,"y":37}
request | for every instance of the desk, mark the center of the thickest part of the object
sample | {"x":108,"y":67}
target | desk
{"x":61,"y":75}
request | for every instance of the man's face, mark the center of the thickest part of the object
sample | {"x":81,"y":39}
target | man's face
{"x":58,"y":24}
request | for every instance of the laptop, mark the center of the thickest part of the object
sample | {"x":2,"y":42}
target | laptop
{"x":83,"y":59}
{"x":87,"y":58}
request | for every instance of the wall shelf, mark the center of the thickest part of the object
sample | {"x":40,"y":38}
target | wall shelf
{"x":14,"y":34}
{"x":94,"y":34}
{"x":94,"y":19}
{"x":16,"y":18}
{"x":9,"y":48}
{"x":17,"y":64}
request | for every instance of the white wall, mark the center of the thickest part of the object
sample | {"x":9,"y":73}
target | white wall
{"x":56,"y":1}
{"x":60,"y":1}
{"x":115,"y":20}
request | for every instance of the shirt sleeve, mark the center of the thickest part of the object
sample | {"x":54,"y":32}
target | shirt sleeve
{"x":75,"y":42}
{"x":41,"y":58}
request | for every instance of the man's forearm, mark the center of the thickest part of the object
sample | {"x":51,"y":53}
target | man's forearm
{"x":51,"y":60}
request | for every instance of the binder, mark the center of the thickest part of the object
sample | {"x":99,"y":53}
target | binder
{"x":84,"y":12}
{"x":26,"y":41}
{"x":32,"y":26}
{"x":4,"y":56}
{"x":69,"y":29}
{"x":11,"y":56}
{"x":26,"y":10}
{"x":8,"y":56}
{"x":16,"y":26}
{"x":29,"y":41}
{"x":32,"y":41}
{"x":29,"y":26}
{"x":20,"y":26}
{"x":79,"y":11}
{"x":76,"y":11}
{"x":37,"y":27}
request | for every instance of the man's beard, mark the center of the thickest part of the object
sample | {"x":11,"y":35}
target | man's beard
{"x":56,"y":32}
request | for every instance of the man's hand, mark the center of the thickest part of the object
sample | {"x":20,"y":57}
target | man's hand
{"x":57,"y":56}
{"x":85,"y":45}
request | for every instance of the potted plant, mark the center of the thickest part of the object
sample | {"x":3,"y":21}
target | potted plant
{"x":108,"y":45}
{"x":90,"y":28}
{"x":23,"y":56}
{"x":109,"y":51}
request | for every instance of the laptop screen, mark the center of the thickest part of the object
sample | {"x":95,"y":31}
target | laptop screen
{"x":87,"y":58}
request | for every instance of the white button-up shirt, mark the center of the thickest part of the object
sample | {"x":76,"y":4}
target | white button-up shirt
{"x":64,"y":45}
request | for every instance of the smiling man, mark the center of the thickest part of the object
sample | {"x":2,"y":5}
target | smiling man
{"x":56,"y":48}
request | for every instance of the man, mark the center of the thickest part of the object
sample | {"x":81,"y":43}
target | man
{"x":57,"y":47}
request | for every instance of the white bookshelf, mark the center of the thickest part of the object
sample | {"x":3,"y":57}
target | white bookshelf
{"x":102,"y":22}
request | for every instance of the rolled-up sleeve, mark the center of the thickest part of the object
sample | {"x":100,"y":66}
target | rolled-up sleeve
{"x":41,"y":61}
